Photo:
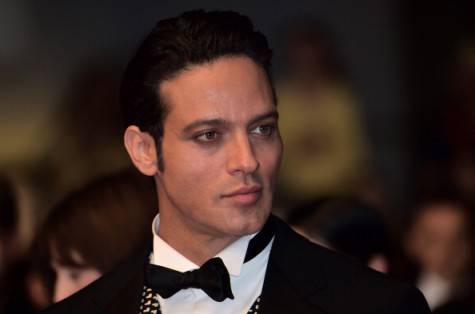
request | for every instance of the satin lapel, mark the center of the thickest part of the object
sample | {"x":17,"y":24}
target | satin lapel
{"x":127,"y":299}
{"x":280,"y":297}
{"x":291,"y":284}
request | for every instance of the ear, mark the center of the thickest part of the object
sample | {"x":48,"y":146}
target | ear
{"x":142,"y":150}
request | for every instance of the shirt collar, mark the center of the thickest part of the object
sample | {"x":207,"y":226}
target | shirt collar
{"x":166,"y":256}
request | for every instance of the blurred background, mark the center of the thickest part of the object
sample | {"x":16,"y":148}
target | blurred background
{"x":377,"y":101}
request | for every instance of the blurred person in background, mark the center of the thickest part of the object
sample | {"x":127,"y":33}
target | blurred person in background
{"x":448,"y":144}
{"x":86,"y":125}
{"x":439,"y":242}
{"x":9,"y":220}
{"x":458,"y":118}
{"x":20,"y":290}
{"x":95,"y":148}
{"x":92,"y":229}
{"x":349,"y":226}
{"x":321,"y":127}
{"x":461,"y":306}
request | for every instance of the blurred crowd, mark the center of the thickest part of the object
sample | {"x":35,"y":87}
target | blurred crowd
{"x":84,"y":210}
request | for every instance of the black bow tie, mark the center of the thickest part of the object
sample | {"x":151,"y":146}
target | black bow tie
{"x":212,"y":278}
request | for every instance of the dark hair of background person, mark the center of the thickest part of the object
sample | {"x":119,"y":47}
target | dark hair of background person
{"x":174,"y":44}
{"x":347,"y":225}
{"x":103,"y":222}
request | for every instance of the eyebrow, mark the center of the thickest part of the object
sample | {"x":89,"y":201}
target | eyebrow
{"x":272,"y":114}
{"x":217,"y":122}
{"x":198,"y":123}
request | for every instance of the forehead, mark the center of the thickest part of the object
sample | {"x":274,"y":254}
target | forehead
{"x":442,"y":216}
{"x":233,"y":88}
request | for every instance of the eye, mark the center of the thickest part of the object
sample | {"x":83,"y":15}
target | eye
{"x":74,"y":274}
{"x":208,"y":136}
{"x":264,"y":130}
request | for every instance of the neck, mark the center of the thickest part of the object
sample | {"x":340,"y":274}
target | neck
{"x":195,"y":246}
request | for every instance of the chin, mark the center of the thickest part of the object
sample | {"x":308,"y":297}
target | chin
{"x":250,"y":225}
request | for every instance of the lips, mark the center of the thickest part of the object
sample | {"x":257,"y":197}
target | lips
{"x":245,"y":195}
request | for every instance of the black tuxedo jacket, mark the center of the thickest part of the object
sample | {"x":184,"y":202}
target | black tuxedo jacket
{"x":301,"y":278}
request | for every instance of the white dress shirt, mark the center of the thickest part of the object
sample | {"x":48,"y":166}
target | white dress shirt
{"x":435,"y":289}
{"x":247,"y":278}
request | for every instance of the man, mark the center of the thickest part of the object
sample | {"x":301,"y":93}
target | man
{"x":201,"y":118}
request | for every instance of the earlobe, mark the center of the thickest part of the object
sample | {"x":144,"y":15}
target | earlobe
{"x":142,"y":150}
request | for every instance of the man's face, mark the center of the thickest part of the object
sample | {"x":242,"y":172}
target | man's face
{"x":221,"y":148}
{"x":440,"y":240}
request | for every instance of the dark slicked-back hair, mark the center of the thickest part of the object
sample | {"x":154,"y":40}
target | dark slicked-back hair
{"x":193,"y":38}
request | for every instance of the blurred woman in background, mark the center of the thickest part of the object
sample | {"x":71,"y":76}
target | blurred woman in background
{"x":94,"y":228}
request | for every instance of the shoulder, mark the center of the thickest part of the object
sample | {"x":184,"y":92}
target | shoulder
{"x":464,"y":306}
{"x":330,"y":277}
{"x":70,"y":305}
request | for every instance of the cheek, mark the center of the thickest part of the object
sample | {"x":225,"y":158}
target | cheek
{"x":192,"y":171}
{"x":270,"y":158}
{"x":87,"y":276}
{"x":64,"y":286}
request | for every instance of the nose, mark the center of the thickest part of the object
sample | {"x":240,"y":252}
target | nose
{"x":241,"y":156}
